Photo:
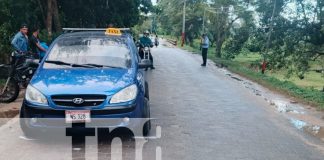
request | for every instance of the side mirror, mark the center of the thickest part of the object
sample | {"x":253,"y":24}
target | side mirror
{"x":145,"y":63}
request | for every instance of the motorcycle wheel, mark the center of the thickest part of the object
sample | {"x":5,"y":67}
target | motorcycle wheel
{"x":10,"y":93}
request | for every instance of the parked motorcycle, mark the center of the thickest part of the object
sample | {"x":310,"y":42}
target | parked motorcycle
{"x":16,"y":74}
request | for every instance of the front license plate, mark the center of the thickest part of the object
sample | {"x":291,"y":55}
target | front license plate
{"x":77,"y":116}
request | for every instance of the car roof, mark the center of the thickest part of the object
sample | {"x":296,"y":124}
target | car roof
{"x":95,"y":32}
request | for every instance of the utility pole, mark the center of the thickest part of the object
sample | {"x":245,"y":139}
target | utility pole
{"x":271,"y":25}
{"x":183,"y":23}
{"x":204,"y":20}
{"x":264,"y":64}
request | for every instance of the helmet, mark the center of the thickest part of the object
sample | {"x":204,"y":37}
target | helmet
{"x":146,"y":32}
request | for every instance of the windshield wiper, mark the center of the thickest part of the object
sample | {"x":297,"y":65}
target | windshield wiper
{"x":69,"y":64}
{"x":101,"y":66}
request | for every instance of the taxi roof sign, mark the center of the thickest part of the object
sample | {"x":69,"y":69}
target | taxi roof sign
{"x":113,"y":32}
{"x":108,"y":31}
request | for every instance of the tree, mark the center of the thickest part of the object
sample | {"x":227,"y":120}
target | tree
{"x":230,"y":19}
{"x":295,"y":37}
{"x":51,"y":15}
{"x":101,"y":13}
{"x":170,"y":18}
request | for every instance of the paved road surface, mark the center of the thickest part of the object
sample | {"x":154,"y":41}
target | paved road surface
{"x":203,"y":115}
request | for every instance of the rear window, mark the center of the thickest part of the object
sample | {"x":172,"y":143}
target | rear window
{"x":95,"y":50}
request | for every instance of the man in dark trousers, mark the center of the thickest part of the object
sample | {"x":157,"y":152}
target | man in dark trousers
{"x":204,"y":47}
{"x":146,"y":41}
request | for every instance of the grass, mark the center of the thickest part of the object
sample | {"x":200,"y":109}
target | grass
{"x":312,"y":79}
{"x":307,"y":90}
{"x":308,"y":95}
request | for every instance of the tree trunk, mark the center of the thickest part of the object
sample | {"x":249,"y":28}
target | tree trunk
{"x":219,"y":42}
{"x":49,"y":18}
{"x":56,"y":17}
{"x":218,"y":49}
{"x":42,"y":11}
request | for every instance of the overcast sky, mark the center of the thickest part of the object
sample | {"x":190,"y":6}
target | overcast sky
{"x":154,"y":2}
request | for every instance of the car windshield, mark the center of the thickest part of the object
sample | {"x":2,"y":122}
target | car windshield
{"x":94,"y":52}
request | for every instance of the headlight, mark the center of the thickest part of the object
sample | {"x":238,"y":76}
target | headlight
{"x":34,"y":96}
{"x":125,"y":95}
{"x":146,"y":48}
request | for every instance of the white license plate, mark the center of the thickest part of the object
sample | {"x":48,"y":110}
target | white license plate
{"x":77,"y":116}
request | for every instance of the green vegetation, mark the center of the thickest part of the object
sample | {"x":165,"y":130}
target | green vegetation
{"x":307,"y":90}
{"x":312,"y":79}
{"x":51,"y":15}
{"x":287,"y":34}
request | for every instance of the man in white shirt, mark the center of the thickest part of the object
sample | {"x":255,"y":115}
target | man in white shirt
{"x":204,"y":46}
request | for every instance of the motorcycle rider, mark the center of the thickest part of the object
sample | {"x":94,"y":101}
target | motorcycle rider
{"x":146,"y":41}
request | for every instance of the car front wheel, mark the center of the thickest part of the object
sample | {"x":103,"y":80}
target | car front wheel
{"x":147,"y":125}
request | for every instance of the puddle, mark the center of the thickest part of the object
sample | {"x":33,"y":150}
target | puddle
{"x":286,"y":107}
{"x":314,"y":130}
{"x":298,"y":123}
{"x":283,"y":105}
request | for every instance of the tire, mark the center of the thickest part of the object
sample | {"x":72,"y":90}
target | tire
{"x":147,"y":125}
{"x":28,"y":132}
{"x":11,"y":92}
{"x":147,"y":91}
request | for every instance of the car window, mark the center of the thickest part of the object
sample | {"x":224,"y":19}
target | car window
{"x":97,"y":50}
{"x":133,"y":46}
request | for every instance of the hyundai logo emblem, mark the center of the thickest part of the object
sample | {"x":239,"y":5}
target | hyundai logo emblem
{"x":78,"y":100}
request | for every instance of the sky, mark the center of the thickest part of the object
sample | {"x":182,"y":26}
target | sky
{"x":153,"y":2}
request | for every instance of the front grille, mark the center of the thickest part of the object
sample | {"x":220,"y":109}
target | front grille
{"x":52,"y":113}
{"x":88,"y":100}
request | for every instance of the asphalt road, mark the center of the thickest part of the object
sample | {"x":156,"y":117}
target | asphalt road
{"x":202,"y":115}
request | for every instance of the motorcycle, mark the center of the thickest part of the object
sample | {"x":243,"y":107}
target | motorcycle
{"x":146,"y":53}
{"x":16,"y":74}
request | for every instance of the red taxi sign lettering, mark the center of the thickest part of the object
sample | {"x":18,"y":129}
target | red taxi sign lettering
{"x":113,"y":32}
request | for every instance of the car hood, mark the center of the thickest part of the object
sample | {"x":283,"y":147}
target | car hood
{"x":85,"y":81}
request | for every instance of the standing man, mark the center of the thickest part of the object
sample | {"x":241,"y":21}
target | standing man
{"x":20,"y":41}
{"x":35,"y":45}
{"x":204,"y":46}
{"x":156,"y":40}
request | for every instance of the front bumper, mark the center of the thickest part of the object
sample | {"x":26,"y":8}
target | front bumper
{"x":46,"y":117}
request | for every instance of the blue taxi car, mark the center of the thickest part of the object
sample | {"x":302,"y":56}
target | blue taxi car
{"x":86,"y":74}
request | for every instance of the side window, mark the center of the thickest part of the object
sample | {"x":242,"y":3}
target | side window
{"x":134,"y":48}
